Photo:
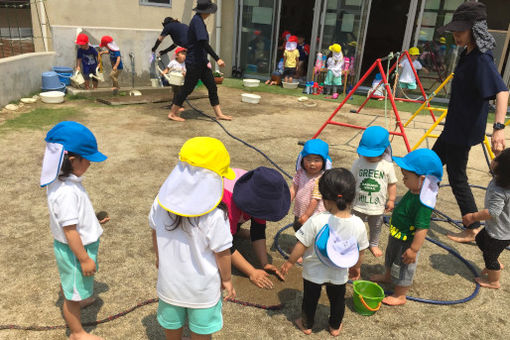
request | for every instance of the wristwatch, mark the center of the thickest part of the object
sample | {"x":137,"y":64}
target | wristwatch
{"x":498,"y":126}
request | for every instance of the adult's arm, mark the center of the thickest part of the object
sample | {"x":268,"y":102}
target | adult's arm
{"x":498,"y":136}
{"x":205,"y":45}
{"x":157,"y":43}
{"x":257,"y":276}
{"x":166,"y":50}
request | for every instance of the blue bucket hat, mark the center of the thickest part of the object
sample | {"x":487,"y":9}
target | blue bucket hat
{"x":262,"y":193}
{"x":315,"y":147}
{"x":374,"y":142}
{"x":67,"y":136}
{"x":424,"y":162}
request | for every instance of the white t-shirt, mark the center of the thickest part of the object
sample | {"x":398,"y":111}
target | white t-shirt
{"x":175,"y":66}
{"x":407,"y":75}
{"x":69,"y":204}
{"x":188,"y":275}
{"x":372,"y":181}
{"x":313,"y":269}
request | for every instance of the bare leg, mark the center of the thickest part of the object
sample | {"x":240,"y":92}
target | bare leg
{"x":398,"y":297}
{"x":385,"y":278}
{"x":219,"y":114}
{"x":492,"y":280}
{"x":86,"y":84}
{"x":467,"y":235}
{"x":195,"y":336}
{"x":299,"y":324}
{"x":94,"y":84}
{"x":173,"y":334}
{"x":72,"y":314}
{"x":174,"y":114}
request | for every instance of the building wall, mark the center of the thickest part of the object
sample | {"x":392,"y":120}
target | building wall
{"x":21,"y":74}
{"x":134,"y":27}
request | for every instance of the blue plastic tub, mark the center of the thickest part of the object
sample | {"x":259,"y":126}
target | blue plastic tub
{"x":65,"y":78}
{"x":50,"y":80}
{"x":62,"y":69}
{"x":61,"y":88}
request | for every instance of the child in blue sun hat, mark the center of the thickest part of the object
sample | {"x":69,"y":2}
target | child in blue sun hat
{"x":312,"y":161}
{"x":332,"y":245}
{"x":410,"y":221}
{"x":70,"y":147}
{"x":376,"y":182}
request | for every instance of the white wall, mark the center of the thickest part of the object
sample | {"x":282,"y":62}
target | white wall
{"x":21,"y":74}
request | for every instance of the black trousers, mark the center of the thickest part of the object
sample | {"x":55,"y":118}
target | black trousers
{"x":491,"y":249}
{"x":455,"y":157}
{"x":311,"y":295}
{"x":193,"y":74}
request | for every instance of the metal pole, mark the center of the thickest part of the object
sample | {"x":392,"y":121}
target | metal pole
{"x":19,"y":34}
{"x":10,"y":35}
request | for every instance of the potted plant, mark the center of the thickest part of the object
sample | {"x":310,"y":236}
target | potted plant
{"x":218,"y":77}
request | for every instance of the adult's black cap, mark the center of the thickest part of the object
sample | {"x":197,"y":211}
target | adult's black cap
{"x":205,"y":6}
{"x":465,"y":16}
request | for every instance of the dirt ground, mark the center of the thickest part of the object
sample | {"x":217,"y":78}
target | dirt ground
{"x":142,"y":147}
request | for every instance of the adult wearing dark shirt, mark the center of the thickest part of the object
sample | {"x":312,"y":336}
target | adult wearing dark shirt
{"x":476,"y":81}
{"x":176,"y":30}
{"x":196,"y":62}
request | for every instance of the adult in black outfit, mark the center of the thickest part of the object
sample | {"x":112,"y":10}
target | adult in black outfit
{"x":176,"y":30}
{"x":196,"y":62}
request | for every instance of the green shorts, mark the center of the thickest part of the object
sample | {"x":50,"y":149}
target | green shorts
{"x":75,"y":285}
{"x":200,"y":320}
{"x":410,"y":86}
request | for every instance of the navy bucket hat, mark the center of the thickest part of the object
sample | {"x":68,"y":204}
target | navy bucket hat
{"x":262,"y":193}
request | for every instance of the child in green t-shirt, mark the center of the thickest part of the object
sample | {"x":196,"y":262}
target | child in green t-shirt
{"x":410,"y":221}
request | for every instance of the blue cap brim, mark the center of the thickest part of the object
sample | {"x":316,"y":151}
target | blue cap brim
{"x":96,"y":157}
{"x":402,"y":163}
{"x":363,"y":151}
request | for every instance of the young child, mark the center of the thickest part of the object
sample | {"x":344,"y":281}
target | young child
{"x":290,"y":59}
{"x":407,"y":79}
{"x":335,"y":65}
{"x":86,"y":60}
{"x":376,"y":183}
{"x":69,"y":150}
{"x":310,"y":165}
{"x":191,"y":237}
{"x":304,"y":53}
{"x":113,"y":50}
{"x":495,"y":237}
{"x":410,"y":221}
{"x":332,"y":245}
{"x":177,"y":65}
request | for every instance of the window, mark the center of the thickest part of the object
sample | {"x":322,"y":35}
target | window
{"x":160,"y":3}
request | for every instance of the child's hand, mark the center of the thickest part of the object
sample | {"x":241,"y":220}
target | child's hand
{"x":303,"y":218}
{"x":389,"y":206}
{"x":231,"y":292}
{"x":261,"y":279}
{"x":409,"y":256}
{"x":271,"y":268}
{"x":354,"y":273}
{"x":284,"y":269}
{"x":114,"y":68}
{"x":104,"y":220}
{"x":468,"y":219}
{"x":88,"y":267}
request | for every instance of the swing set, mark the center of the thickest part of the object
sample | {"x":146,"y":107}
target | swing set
{"x":377,"y":66}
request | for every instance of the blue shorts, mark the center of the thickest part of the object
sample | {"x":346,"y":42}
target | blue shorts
{"x":410,"y":86}
{"x":75,"y":285}
{"x":200,"y":320}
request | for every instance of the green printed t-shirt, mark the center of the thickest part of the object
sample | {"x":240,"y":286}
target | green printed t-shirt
{"x":409,"y":214}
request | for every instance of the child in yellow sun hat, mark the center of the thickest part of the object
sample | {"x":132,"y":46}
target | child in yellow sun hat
{"x":407,"y":78}
{"x":191,"y":236}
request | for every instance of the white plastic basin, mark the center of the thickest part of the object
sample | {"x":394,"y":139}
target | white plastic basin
{"x":292,"y":85}
{"x":52,"y":97}
{"x":251,"y":82}
{"x":250,"y":98}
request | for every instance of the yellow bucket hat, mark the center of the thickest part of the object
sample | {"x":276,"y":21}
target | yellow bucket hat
{"x":195,"y":186}
{"x":414,"y":51}
{"x":208,"y":153}
{"x":442,"y":40}
{"x":335,"y":48}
